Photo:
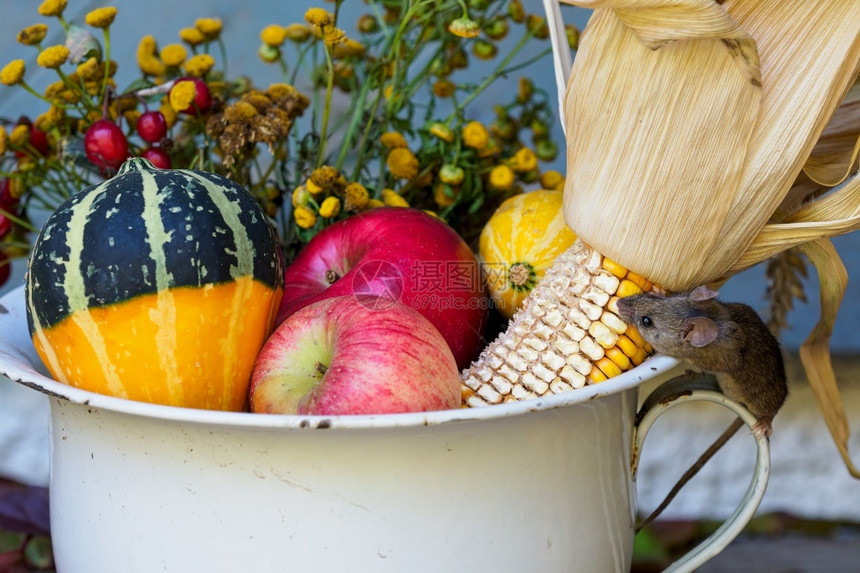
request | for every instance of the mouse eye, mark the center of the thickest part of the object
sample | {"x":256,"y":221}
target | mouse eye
{"x":646,"y":321}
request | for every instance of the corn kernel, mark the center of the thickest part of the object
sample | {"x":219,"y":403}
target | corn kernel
{"x":617,"y":356}
{"x":614,"y":268}
{"x":628,"y":288}
{"x":596,"y":375}
{"x":627,"y":346}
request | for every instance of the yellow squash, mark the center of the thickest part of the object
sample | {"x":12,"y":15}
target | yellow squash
{"x":519,"y":242}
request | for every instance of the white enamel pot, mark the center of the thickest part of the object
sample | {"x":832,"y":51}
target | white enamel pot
{"x":541,"y":485}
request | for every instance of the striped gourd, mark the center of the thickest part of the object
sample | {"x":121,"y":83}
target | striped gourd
{"x":567,"y":335}
{"x":156,"y":285}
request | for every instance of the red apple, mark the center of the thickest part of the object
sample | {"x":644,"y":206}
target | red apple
{"x":350,"y":355}
{"x":404,"y":255}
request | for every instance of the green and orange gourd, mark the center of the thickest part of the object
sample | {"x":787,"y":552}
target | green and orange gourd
{"x":156,"y":285}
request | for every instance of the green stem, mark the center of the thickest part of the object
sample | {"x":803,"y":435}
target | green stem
{"x":353,"y":125}
{"x":366,"y":133}
{"x":329,"y":89}
{"x":27,"y":87}
{"x":499,"y":71}
{"x":107,"y":64}
{"x":222,"y":50}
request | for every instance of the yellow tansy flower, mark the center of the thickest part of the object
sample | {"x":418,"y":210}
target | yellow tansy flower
{"x":356,"y":196}
{"x":279,"y":90}
{"x":330,"y":207}
{"x":101,"y":17}
{"x":173,"y":54}
{"x":372,"y":203}
{"x":150,"y":65}
{"x":501,"y":178}
{"x":465,"y":28}
{"x":20,"y":135}
{"x":12,"y":73}
{"x":349,"y":48}
{"x":52,"y":7}
{"x":169,"y":113}
{"x":305,"y":218}
{"x":297,"y":33}
{"x":4,"y":139}
{"x":402,"y":163}
{"x":88,"y":70}
{"x":393,"y":140}
{"x":475,"y":135}
{"x":551,"y":179}
{"x":334,"y":36}
{"x":209,"y":27}
{"x":525,"y":160}
{"x":192,"y":36}
{"x":199,"y":65}
{"x":273,"y":35}
{"x":442,"y":131}
{"x":32,"y":35}
{"x":392,"y":198}
{"x":319,"y":17}
{"x":451,"y":174}
{"x":182,"y":95}
{"x":525,"y":89}
{"x":53,"y":57}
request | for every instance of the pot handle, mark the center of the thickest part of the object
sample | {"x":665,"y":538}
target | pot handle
{"x":699,"y":387}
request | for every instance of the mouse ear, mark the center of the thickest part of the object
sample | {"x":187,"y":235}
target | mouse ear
{"x":700,"y":331}
{"x":702,"y":296}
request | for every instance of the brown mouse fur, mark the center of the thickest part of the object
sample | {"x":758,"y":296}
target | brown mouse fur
{"x":727,"y":339}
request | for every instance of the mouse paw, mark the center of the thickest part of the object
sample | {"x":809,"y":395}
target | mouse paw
{"x":763,"y":428}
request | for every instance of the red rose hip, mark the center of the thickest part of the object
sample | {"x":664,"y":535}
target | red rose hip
{"x":158,"y":156}
{"x":105,"y":144}
{"x":152,"y":127}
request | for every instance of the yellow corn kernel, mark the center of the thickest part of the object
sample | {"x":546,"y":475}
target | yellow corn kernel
{"x":627,"y":346}
{"x":628,"y":288}
{"x":596,"y":375}
{"x":614,"y":268}
{"x":639,"y":281}
{"x":608,"y":367}
{"x":617,"y":356}
{"x":640,"y":357}
{"x":634,"y":335}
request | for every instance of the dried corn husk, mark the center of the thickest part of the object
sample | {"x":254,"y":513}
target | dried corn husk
{"x":704,"y":137}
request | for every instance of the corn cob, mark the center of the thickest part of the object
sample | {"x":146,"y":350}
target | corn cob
{"x":568,"y":334}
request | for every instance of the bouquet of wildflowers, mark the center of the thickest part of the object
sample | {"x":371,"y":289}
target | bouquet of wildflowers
{"x":403,"y":137}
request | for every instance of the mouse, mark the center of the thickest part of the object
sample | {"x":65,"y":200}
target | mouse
{"x":729,"y":340}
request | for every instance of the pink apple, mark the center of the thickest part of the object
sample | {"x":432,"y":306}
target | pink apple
{"x":405,"y":255}
{"x":354,"y":355}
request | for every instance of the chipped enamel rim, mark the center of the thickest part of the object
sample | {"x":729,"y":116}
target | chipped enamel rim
{"x":15,"y":362}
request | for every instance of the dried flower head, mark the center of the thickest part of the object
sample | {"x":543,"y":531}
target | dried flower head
{"x":319,"y":17}
{"x":101,"y":17}
{"x":475,"y":135}
{"x":465,"y":28}
{"x":209,"y":27}
{"x":393,"y":140}
{"x":240,"y":111}
{"x":330,"y":208}
{"x":12,"y":73}
{"x":273,"y":35}
{"x":402,"y":163}
{"x":53,"y":57}
{"x":4,"y":140}
{"x":52,"y":7}
{"x":305,"y":218}
{"x":333,"y":36}
{"x":356,"y":197}
{"x":199,"y":65}
{"x":32,"y":35}
{"x":192,"y":36}
{"x":444,"y":88}
{"x":173,"y":54}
